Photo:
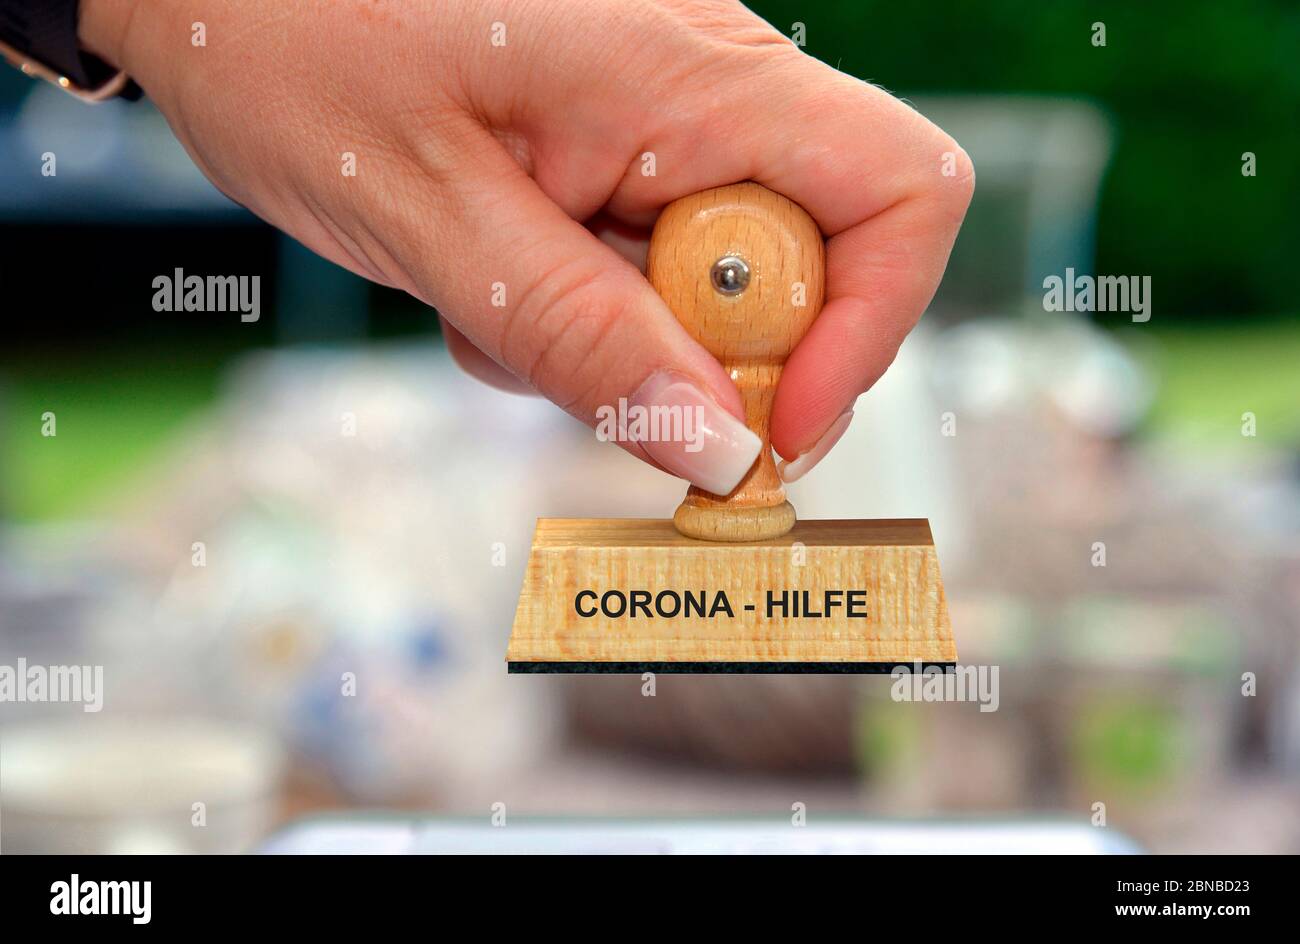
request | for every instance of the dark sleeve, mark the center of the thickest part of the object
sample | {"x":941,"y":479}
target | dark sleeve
{"x":46,"y":30}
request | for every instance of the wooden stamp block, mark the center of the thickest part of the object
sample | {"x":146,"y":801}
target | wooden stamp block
{"x":733,"y":583}
{"x":630,"y":595}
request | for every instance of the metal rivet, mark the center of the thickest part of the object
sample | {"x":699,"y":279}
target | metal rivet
{"x":729,"y":275}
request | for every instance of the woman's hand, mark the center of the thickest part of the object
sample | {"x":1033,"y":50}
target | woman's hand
{"x":501,"y":154}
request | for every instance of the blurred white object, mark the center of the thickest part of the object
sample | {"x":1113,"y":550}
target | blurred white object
{"x":698,"y":836}
{"x":130,"y":785}
{"x":893,"y":462}
{"x":1000,"y":366}
{"x":1040,"y":162}
{"x":364,"y":519}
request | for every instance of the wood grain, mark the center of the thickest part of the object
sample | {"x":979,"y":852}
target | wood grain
{"x":751,"y":333}
{"x":893,"y":561}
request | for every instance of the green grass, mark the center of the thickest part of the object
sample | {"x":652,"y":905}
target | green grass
{"x":1208,"y":377}
{"x":112,"y":416}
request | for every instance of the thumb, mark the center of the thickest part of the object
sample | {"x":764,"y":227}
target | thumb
{"x":544,"y":298}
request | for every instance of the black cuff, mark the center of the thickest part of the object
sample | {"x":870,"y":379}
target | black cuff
{"x":46,"y":30}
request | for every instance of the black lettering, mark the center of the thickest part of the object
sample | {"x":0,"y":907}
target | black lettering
{"x":618,"y":598}
{"x":673,"y":598}
{"x":640,"y":601}
{"x":577,"y":603}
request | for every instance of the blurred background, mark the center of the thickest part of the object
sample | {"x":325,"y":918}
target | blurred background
{"x":233,"y":517}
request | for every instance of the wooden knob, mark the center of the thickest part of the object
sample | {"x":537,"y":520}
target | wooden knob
{"x":743,"y":269}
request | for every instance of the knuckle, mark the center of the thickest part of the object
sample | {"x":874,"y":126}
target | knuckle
{"x":965,"y":167}
{"x":557,"y":335}
{"x":943,"y":176}
{"x":960,"y":175}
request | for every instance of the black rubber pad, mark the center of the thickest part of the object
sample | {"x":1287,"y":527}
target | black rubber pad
{"x":717,"y":668}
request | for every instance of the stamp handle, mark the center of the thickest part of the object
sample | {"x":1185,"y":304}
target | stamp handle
{"x":743,"y":269}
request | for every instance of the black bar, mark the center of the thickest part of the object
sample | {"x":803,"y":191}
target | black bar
{"x":718,"y":668}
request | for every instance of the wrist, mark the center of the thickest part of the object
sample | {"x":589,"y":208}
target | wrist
{"x":102,"y":28}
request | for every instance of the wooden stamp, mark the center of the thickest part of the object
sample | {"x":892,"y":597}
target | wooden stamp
{"x":734,"y":583}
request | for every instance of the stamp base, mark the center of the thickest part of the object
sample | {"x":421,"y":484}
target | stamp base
{"x":890,"y":564}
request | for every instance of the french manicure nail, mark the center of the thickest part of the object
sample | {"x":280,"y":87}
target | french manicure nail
{"x":689,"y":434}
{"x":803,"y":463}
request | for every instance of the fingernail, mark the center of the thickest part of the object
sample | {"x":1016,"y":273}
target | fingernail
{"x":803,"y":463}
{"x":688,"y":433}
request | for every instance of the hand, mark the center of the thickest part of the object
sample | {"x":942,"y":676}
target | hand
{"x":509,"y":154}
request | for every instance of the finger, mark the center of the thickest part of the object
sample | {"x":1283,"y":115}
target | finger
{"x":841,"y":148}
{"x":888,"y":187}
{"x":567,"y":315}
{"x":880,"y":276}
{"x":477,"y":364}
